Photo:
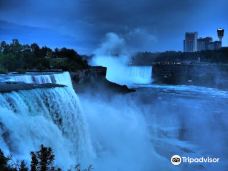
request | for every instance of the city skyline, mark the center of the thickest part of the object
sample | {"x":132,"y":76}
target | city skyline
{"x":82,"y":25}
{"x":194,"y":42}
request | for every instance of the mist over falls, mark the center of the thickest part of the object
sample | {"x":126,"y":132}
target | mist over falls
{"x":157,"y":121}
{"x":113,"y":53}
{"x":138,"y":131}
{"x":103,"y":85}
{"x":29,"y":118}
{"x":91,"y":133}
{"x":121,"y":73}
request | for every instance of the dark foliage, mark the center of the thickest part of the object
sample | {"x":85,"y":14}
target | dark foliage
{"x":3,"y":161}
{"x":23,"y":166}
{"x":42,"y":160}
{"x":210,"y":56}
{"x":19,"y":57}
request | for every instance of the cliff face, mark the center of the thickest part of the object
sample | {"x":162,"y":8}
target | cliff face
{"x":210,"y":75}
{"x":88,"y":75}
{"x":87,"y":80}
{"x":94,"y":80}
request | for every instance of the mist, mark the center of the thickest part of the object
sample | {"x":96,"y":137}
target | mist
{"x":113,"y":53}
{"x":142,"y":130}
{"x":120,"y":135}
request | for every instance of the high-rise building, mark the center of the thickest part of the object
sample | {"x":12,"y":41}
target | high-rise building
{"x":215,"y":45}
{"x":193,"y":44}
{"x":203,"y":43}
{"x":190,"y":42}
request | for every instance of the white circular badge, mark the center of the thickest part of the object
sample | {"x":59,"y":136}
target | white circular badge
{"x":176,"y":160}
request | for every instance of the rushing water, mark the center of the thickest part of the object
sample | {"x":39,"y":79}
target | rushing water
{"x":52,"y":117}
{"x":139,"y":131}
{"x":120,"y":72}
{"x":130,"y":75}
{"x":39,"y":78}
{"x":156,"y":122}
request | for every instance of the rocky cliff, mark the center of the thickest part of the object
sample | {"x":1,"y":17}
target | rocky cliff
{"x":94,"y":79}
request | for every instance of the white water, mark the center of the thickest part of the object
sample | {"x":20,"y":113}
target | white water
{"x":130,"y":75}
{"x":52,"y":117}
{"x":119,"y":72}
{"x":113,"y":134}
{"x":112,"y":54}
{"x":120,"y":136}
{"x":42,"y":78}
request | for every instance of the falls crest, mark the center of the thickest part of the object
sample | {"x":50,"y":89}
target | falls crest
{"x":42,"y":78}
{"x":130,"y":75}
{"x":52,"y":117}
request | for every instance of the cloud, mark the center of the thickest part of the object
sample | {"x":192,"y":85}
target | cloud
{"x":161,"y":23}
{"x":140,"y":39}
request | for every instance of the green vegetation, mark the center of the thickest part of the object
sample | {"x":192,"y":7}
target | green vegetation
{"x":18,"y":57}
{"x":42,"y":160}
{"x":219,"y":56}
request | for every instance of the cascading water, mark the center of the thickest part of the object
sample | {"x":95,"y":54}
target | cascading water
{"x":130,"y":75}
{"x":119,"y":72}
{"x":113,"y":55}
{"x":52,"y":117}
{"x":42,"y":78}
{"x":137,"y":131}
{"x":141,"y":74}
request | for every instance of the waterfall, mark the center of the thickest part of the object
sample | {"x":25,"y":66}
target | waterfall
{"x":39,"y":78}
{"x":140,"y":75}
{"x":130,"y":75}
{"x":49,"y":116}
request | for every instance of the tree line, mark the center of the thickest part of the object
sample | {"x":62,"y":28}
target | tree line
{"x":15,"y":56}
{"x":42,"y":160}
{"x":219,"y":56}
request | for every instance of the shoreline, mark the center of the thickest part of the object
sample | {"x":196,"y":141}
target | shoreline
{"x":83,"y":81}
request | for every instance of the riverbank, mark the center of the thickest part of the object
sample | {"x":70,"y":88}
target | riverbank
{"x":94,"y":80}
{"x":87,"y":80}
{"x":202,"y":74}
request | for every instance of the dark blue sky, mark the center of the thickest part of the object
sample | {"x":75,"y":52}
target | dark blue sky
{"x":153,"y":25}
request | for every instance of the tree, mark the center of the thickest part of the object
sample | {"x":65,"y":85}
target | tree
{"x":18,"y":57}
{"x":3,"y":44}
{"x":46,"y":158}
{"x":34,"y":162}
{"x":4,"y":166}
{"x":42,"y":160}
{"x":3,"y":161}
{"x":35,"y":47}
{"x":23,"y":166}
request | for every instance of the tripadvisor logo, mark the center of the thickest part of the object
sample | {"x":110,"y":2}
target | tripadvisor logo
{"x":176,"y":160}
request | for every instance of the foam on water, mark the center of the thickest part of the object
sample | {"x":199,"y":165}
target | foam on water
{"x":190,"y":88}
{"x":42,"y":78}
{"x":130,"y":75}
{"x":44,"y":116}
{"x":52,"y":117}
{"x":132,"y":132}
